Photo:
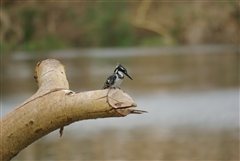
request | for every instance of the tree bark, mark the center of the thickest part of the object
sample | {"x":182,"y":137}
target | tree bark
{"x":54,"y":106}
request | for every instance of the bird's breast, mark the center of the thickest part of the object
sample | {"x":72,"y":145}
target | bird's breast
{"x":117,"y":82}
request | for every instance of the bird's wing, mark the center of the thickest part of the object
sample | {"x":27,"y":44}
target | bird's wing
{"x":110,"y":81}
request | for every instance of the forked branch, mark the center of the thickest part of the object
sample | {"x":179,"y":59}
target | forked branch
{"x":54,"y":106}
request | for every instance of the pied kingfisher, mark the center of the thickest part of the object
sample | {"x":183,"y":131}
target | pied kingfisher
{"x":116,"y":78}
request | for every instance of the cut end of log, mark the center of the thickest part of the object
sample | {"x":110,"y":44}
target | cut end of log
{"x":122,"y":102}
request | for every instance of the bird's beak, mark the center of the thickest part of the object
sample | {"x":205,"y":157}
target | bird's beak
{"x":128,"y":76}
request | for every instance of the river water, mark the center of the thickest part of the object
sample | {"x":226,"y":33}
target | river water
{"x":192,"y":87}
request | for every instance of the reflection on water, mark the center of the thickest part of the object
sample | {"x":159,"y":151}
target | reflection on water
{"x":189,"y":93}
{"x":88,"y":69}
{"x":137,"y":144}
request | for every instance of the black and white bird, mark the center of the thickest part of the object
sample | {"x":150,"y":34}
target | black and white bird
{"x":115,"y":80}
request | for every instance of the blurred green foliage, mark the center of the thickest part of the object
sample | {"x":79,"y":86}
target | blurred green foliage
{"x":48,"y":43}
{"x":28,"y":15}
{"x":50,"y":25}
{"x":108,"y":24}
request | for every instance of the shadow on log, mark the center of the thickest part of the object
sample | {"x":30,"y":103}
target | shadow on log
{"x":54,"y":106}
